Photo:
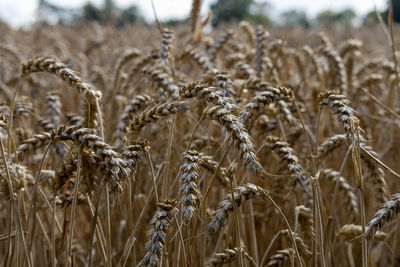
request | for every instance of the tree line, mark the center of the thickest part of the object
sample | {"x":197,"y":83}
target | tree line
{"x":223,"y":11}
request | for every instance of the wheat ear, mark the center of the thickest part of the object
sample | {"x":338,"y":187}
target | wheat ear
{"x":50,"y":65}
{"x":199,"y":58}
{"x":218,"y":44}
{"x":351,"y":231}
{"x":350,"y":198}
{"x":228,"y":256}
{"x":133,"y":153}
{"x":305,"y":220}
{"x":155,"y":113}
{"x":137,"y":103}
{"x":189,"y":183}
{"x":287,"y":155}
{"x":382,"y":216}
{"x":239,"y":135}
{"x":301,"y":245}
{"x":337,"y":69}
{"x":157,"y":232}
{"x":129,"y":55}
{"x":267,"y":96}
{"x":334,"y":142}
{"x":225,"y":208}
{"x":259,"y":41}
{"x":280,"y":257}
{"x":210,"y":93}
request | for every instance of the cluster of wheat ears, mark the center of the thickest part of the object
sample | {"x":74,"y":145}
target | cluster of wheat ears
{"x":240,"y":147}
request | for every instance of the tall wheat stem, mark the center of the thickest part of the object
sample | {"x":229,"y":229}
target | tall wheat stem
{"x":32,"y":206}
{"x":73,"y":209}
{"x":17,"y":212}
{"x":53,"y":234}
{"x":109,"y":239}
{"x":288,"y":226}
{"x":316,"y":198}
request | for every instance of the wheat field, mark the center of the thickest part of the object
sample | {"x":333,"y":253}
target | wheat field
{"x":126,"y":147}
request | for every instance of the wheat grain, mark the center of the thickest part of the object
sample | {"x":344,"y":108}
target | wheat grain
{"x":189,"y":188}
{"x":155,"y":113}
{"x":239,"y":135}
{"x":351,"y":231}
{"x":136,"y":103}
{"x":288,"y":157}
{"x":51,"y":65}
{"x":348,"y":191}
{"x":157,"y":232}
{"x":389,"y":209}
{"x":280,"y":257}
{"x":241,"y":194}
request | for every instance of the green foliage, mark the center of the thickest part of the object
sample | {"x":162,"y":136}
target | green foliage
{"x":294,"y":18}
{"x":129,"y":15}
{"x":230,"y":10}
{"x":343,"y":18}
{"x":237,"y":10}
{"x":175,"y":22}
{"x":371,"y":18}
{"x":91,"y":12}
{"x":109,"y":10}
{"x":396,"y":10}
{"x":258,"y":14}
{"x":111,"y":14}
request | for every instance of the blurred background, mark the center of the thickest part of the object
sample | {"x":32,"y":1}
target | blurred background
{"x":271,"y":13}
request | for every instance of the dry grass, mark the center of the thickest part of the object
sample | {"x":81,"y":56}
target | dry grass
{"x":240,"y":147}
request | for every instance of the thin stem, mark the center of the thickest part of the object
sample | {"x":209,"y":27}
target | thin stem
{"x":156,"y":17}
{"x":288,"y":226}
{"x":253,"y":231}
{"x":11,"y":120}
{"x":131,"y":239}
{"x":282,"y":129}
{"x":236,"y":214}
{"x":100,"y":118}
{"x":73,"y":209}
{"x":318,"y":122}
{"x":387,"y":109}
{"x":215,"y":175}
{"x":332,"y":210}
{"x":363,"y":222}
{"x":316,"y":192}
{"x":194,"y":130}
{"x":9,"y":234}
{"x":53,"y":235}
{"x":32,"y":206}
{"x":394,"y":245}
{"x":17,"y":212}
{"x":360,"y":184}
{"x":152,"y":176}
{"x":96,"y":227}
{"x":181,"y":240}
{"x":321,"y":228}
{"x":50,"y":206}
{"x":313,"y":166}
{"x":108,"y":214}
{"x":392,"y":44}
{"x":269,"y":248}
{"x":169,"y":148}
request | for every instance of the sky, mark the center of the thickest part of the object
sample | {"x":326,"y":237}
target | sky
{"x":22,"y":12}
